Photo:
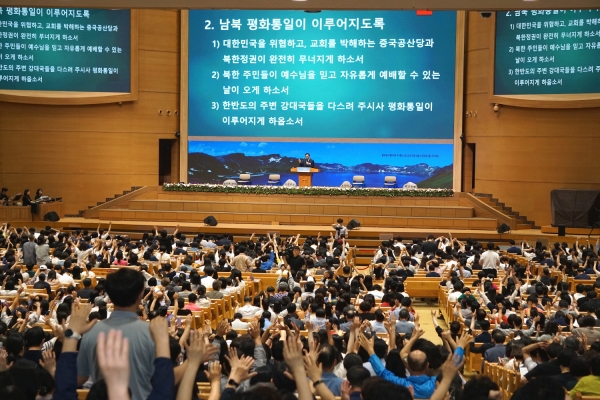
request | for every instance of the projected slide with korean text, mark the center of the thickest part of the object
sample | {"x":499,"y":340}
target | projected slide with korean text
{"x":65,"y":49}
{"x":547,"y":52}
{"x":286,"y":82}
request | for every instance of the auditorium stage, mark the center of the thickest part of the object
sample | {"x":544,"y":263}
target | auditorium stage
{"x":241,"y":214}
{"x":365,"y":232}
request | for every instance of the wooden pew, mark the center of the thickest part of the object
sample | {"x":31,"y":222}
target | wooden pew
{"x":473,"y":361}
{"x":422,"y":287}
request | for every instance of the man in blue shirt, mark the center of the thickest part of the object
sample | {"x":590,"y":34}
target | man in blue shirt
{"x":499,"y":350}
{"x":513,"y":249}
{"x":266,"y":262}
{"x":416,"y":363}
{"x":328,"y":360}
{"x":582,"y":275}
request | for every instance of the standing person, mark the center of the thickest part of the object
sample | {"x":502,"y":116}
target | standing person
{"x":241,"y":261}
{"x":295,"y":261}
{"x":429,"y":246}
{"x":42,"y":251}
{"x":307,"y":162}
{"x":340,"y":229}
{"x":29,"y":254}
{"x":125,"y":288}
{"x":490,"y":260}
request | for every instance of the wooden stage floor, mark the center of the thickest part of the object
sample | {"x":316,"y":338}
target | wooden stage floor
{"x":531,"y":235}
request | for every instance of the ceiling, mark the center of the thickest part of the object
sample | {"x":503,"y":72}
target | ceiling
{"x":476,"y":5}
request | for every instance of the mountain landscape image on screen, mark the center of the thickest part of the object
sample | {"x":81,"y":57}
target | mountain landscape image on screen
{"x":205,"y":168}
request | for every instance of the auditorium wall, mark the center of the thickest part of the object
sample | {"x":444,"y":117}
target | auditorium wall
{"x":86,"y":154}
{"x":523,"y":153}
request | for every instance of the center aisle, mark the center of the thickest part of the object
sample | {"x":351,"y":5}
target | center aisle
{"x":424,"y":312}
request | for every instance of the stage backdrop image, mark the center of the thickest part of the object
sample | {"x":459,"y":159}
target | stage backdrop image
{"x":365,"y":92}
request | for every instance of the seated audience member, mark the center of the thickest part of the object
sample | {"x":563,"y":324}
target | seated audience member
{"x":499,"y":350}
{"x":238,"y":323}
{"x":123,"y":356}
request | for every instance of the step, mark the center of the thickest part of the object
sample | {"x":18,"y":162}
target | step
{"x":524,"y":226}
{"x":304,"y":199}
{"x":299,"y":219}
{"x":289,"y":208}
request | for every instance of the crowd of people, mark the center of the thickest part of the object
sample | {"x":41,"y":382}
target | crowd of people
{"x":323,"y":330}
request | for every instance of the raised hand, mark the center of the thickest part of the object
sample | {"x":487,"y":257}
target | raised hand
{"x":48,"y":361}
{"x":3,"y":364}
{"x":314,"y":371}
{"x":223,"y":328}
{"x":195,"y":350}
{"x":254,"y":330}
{"x":78,"y":322}
{"x":242,"y":370}
{"x":292,"y":354}
{"x":345,"y":390}
{"x":308,"y":325}
{"x":112,"y":352}
{"x":214,"y":372}
{"x":367,"y":344}
{"x":464,"y":340}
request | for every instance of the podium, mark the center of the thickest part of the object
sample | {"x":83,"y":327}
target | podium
{"x":304,"y":175}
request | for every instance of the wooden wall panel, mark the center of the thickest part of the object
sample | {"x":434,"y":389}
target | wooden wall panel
{"x":524,"y":153}
{"x":138,"y":116}
{"x":86,"y":154}
{"x":162,"y":74}
{"x":159,"y":30}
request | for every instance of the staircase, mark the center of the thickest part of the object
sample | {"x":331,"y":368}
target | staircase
{"x":116,"y":196}
{"x":522,"y":221}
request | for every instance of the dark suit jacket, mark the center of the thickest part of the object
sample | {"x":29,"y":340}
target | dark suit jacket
{"x":514,"y":250}
{"x":84,"y":293}
{"x":304,"y":163}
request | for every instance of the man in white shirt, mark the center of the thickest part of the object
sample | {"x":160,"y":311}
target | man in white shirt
{"x":238,"y":323}
{"x":65,"y":279}
{"x":248,"y":310}
{"x":456,"y":292}
{"x":376,"y":292}
{"x":207,"y":280}
{"x":398,"y":243}
{"x":490,"y":260}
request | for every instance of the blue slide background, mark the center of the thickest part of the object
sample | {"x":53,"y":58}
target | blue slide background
{"x":204,"y":59}
{"x":339,"y":149}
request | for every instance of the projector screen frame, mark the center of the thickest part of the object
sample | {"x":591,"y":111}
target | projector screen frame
{"x":574,"y":100}
{"x":54,"y":97}
{"x":461,"y":17}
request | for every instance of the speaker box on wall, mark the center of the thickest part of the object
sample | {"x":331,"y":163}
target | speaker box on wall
{"x":562,"y":230}
{"x":210,"y":221}
{"x":503,"y":228}
{"x":353,"y":224}
{"x":51,"y":216}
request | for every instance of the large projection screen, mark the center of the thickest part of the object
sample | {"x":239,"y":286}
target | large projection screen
{"x":370,"y":93}
{"x":68,"y":55}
